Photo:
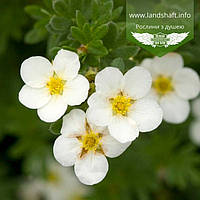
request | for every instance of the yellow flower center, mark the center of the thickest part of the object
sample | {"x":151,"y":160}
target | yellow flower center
{"x":121,"y":104}
{"x":91,"y":141}
{"x":163,"y":85}
{"x":55,"y":85}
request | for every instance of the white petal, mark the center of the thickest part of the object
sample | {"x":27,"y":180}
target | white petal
{"x":35,"y":71}
{"x":153,"y":95}
{"x":123,"y":129}
{"x":34,"y":98}
{"x":99,"y":116}
{"x":147,"y":64}
{"x":53,"y":110}
{"x":137,"y":82}
{"x":100,"y":110}
{"x":76,"y":90}
{"x":195,"y":132}
{"x":196,"y":107}
{"x":147,"y":114}
{"x":168,"y":64}
{"x":73,"y":123}
{"x":91,"y":169}
{"x":175,"y":109}
{"x":112,"y":148}
{"x":186,"y":83}
{"x":66,"y":150}
{"x":66,"y":64}
{"x":109,"y":81}
{"x":98,"y":129}
{"x":98,"y":100}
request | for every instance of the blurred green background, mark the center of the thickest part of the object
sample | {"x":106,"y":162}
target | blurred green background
{"x":162,"y":165}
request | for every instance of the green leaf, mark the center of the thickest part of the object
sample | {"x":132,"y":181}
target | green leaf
{"x":107,"y":7}
{"x":110,"y":40}
{"x":60,"y":6}
{"x":59,"y":23}
{"x":36,"y":12}
{"x":117,"y":12}
{"x":50,"y":29}
{"x":126,"y":51}
{"x":104,"y":19}
{"x":87,"y":32}
{"x":119,"y":63}
{"x":122,"y":34}
{"x":35,"y":35}
{"x":56,"y":127}
{"x":96,"y":47}
{"x":41,"y":24}
{"x":95,"y":9}
{"x":100,"y":32}
{"x":80,"y":19}
{"x":74,"y":5}
{"x":78,"y":34}
{"x":38,"y":33}
{"x":48,"y":4}
{"x":68,"y":48}
{"x":129,"y":64}
{"x":92,"y":60}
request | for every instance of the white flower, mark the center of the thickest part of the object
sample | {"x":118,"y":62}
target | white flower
{"x":119,"y":103}
{"x":195,"y":125}
{"x":50,"y":88}
{"x":172,"y":85}
{"x":59,"y":183}
{"x":85,"y":146}
{"x":30,"y":189}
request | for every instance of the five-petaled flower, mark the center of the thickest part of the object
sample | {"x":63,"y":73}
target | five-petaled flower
{"x":53,"y":185}
{"x":173,"y":85}
{"x":50,"y":88}
{"x":85,"y":146}
{"x":119,"y":103}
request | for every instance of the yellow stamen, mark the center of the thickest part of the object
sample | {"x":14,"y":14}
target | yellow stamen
{"x":121,"y":104}
{"x":55,"y":85}
{"x":163,"y":85}
{"x":91,"y":141}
